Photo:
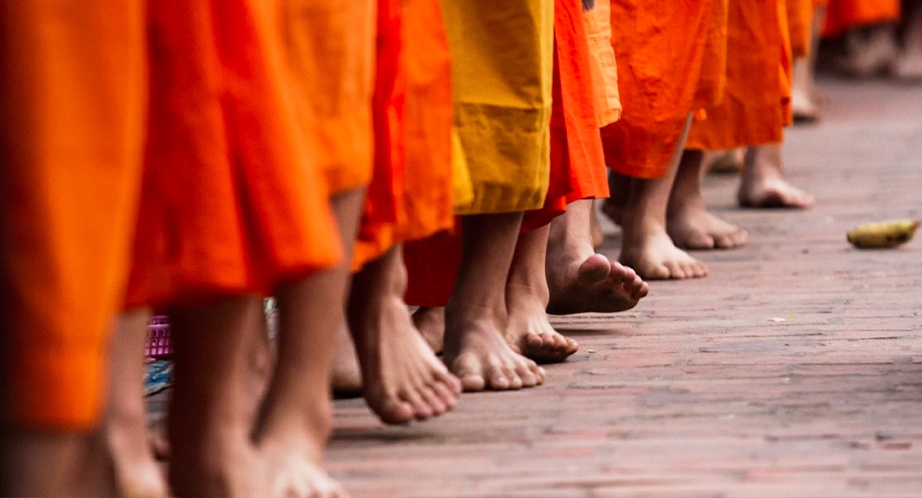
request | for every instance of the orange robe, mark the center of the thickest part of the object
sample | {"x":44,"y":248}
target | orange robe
{"x":755,"y":106}
{"x":232,"y":203}
{"x":330,"y":51}
{"x":411,"y":193}
{"x":843,"y":15}
{"x":660,"y":47}
{"x":72,"y":95}
{"x":800,"y":25}
{"x":577,"y":162}
{"x":604,"y":66}
{"x":577,"y":165}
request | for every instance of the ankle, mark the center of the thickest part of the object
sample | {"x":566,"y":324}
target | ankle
{"x":527,"y":292}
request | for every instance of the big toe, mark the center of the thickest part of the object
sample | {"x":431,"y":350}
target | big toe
{"x":469,"y":373}
{"x":391,"y":409}
{"x":594,"y":269}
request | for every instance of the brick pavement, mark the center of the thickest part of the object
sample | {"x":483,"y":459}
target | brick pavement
{"x":795,"y":369}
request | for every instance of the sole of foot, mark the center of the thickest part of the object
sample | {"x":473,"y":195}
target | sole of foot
{"x":593,"y":284}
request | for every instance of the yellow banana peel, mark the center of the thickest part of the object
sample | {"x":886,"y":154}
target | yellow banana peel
{"x":883,"y":234}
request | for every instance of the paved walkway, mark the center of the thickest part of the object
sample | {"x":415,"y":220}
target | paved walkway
{"x":795,"y":369}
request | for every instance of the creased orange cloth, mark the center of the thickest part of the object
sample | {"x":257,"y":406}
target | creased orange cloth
{"x":72,"y":96}
{"x":713,"y":77}
{"x":330,"y":50}
{"x":232,"y":203}
{"x":577,"y":162}
{"x":603,"y":64}
{"x":659,"y":47}
{"x":411,"y":192}
{"x":842,"y":15}
{"x":577,"y":166}
{"x":800,"y":25}
{"x":755,"y":105}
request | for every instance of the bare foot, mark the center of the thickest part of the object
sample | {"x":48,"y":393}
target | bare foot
{"x":805,"y":110}
{"x":578,"y":279}
{"x":476,"y":317}
{"x":402,"y":378}
{"x":762,"y":183}
{"x":871,"y":53}
{"x":654,"y":257}
{"x":909,"y":66}
{"x":688,"y":221}
{"x":527,"y":328}
{"x":125,"y":429}
{"x":773,"y":193}
{"x":346,"y":376}
{"x":529,"y":332}
{"x":300,"y":477}
{"x":430,"y":321}
{"x":693,"y":227}
{"x":480,"y":356}
{"x":136,"y":471}
{"x":594,"y":284}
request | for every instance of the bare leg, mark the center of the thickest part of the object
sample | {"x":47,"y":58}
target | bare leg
{"x":53,"y":463}
{"x":401,"y":376}
{"x":578,"y":279}
{"x":529,"y":332}
{"x":724,"y":162}
{"x":475,"y":316}
{"x":762,"y":183}
{"x":909,"y":64}
{"x":595,"y":230}
{"x":802,"y":103}
{"x":646,"y":246}
{"x":688,"y":221}
{"x":210,"y":420}
{"x":297,"y":413}
{"x":620,"y":187}
{"x":430,"y":321}
{"x":136,"y":471}
{"x":803,"y":93}
{"x":346,"y":376}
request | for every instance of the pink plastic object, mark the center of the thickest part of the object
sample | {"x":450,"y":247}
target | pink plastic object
{"x":158,"y":344}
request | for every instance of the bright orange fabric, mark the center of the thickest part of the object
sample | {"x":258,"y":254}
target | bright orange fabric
{"x":72,"y":96}
{"x":659,"y":47}
{"x":330,"y":48}
{"x":800,"y":25}
{"x":410,"y":195}
{"x":381,"y":213}
{"x":429,"y":198}
{"x":577,"y":162}
{"x":843,"y":15}
{"x":231,"y":203}
{"x":713,"y":77}
{"x":577,"y":165}
{"x":604,"y":66}
{"x":754,"y":107}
